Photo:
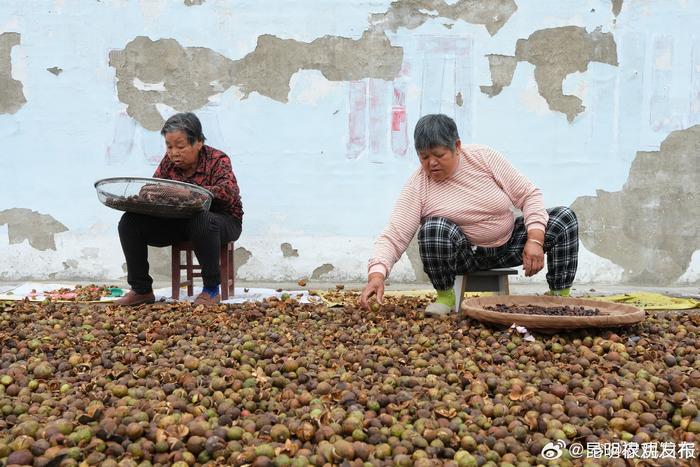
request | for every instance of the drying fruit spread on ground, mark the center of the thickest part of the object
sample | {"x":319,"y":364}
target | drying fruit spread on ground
{"x":283,"y":383}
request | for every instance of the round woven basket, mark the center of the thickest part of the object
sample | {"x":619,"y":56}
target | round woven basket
{"x":611,"y":314}
{"x":153,"y":196}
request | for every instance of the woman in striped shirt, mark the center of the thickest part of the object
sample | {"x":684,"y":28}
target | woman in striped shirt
{"x":461,"y":203}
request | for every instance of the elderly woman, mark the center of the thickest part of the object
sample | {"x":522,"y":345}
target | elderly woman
{"x":187,"y":159}
{"x":461,"y":199}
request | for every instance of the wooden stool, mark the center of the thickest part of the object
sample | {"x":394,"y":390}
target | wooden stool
{"x":194,"y":270}
{"x":493,"y":280}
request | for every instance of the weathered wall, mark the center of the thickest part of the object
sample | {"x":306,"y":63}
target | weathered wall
{"x":597,"y":101}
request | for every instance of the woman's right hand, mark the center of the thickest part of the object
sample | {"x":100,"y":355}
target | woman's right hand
{"x":375,"y":286}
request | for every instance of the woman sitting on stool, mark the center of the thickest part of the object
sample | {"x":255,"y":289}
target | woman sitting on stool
{"x":187,"y":159}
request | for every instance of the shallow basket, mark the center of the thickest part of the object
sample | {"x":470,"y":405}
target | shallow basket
{"x":611,"y":314}
{"x":153,"y":196}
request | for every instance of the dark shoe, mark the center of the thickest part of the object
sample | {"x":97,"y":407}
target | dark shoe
{"x":207,"y":300}
{"x":132,"y":299}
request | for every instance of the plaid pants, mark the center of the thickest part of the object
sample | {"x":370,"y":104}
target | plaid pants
{"x":446,"y":251}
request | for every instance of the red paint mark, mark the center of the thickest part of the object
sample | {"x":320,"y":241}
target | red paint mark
{"x":398,"y":117}
{"x":399,"y":132}
{"x":357,"y":128}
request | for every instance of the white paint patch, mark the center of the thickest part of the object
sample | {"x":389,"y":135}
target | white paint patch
{"x":20,"y":66}
{"x":152,"y":9}
{"x":58,"y":6}
{"x":141,"y":86}
{"x":11,"y":25}
{"x":9,"y":128}
{"x":548,"y":22}
{"x":310,"y":87}
{"x":216,"y":84}
{"x":413,"y":91}
{"x":692,"y":274}
{"x":165,"y":111}
{"x":348,"y":255}
{"x":235,"y":92}
{"x":576,"y":84}
{"x":531,"y":99}
{"x":664,"y":61}
{"x":596,"y":269}
{"x":22,"y":262}
{"x":152,"y":147}
{"x":432,"y":13}
{"x":592,"y":269}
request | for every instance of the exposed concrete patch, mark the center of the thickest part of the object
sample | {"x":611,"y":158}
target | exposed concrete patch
{"x":70,"y":263}
{"x":194,"y":2}
{"x":650,"y":227}
{"x":502,"y":69}
{"x":459,"y":100}
{"x":616,"y":7}
{"x":288,"y":251}
{"x":55,"y":70}
{"x":321,"y":270}
{"x":413,"y":254}
{"x":25,"y":224}
{"x":269,"y":68}
{"x":555,"y":53}
{"x":187,"y":74}
{"x":558,"y":52}
{"x":240,"y":257}
{"x":191,"y":75}
{"x":410,"y":14}
{"x":11,"y":95}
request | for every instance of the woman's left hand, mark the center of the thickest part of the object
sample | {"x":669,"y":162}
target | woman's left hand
{"x":533,"y":258}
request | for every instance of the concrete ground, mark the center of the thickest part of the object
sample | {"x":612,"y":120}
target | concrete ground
{"x":515,"y":288}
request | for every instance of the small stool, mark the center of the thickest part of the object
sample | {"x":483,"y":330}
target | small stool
{"x":194,"y":270}
{"x":493,"y":280}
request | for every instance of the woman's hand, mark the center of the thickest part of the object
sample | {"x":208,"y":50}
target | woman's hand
{"x":375,"y":285}
{"x":533,"y":252}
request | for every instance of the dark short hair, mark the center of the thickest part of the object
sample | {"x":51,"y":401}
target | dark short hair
{"x":435,"y":130}
{"x":186,"y":122}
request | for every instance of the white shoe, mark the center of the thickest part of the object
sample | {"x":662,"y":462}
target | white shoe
{"x":438,"y":309}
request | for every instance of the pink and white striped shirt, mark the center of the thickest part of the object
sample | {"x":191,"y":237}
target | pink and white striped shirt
{"x":478,"y":197}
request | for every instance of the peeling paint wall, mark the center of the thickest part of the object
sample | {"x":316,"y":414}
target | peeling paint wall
{"x":11,"y":96}
{"x":598,"y":102}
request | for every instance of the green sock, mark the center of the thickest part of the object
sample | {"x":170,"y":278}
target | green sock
{"x":560,"y":293}
{"x":446,"y":297}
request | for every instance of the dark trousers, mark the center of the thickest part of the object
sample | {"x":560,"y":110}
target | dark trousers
{"x":446,"y":251}
{"x":207,"y":231}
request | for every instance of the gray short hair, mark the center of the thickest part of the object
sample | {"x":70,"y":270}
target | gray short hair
{"x":435,"y":130}
{"x":186,"y":122}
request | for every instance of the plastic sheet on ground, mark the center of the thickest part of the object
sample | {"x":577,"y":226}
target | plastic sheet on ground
{"x":652,"y":301}
{"x":38,"y":292}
